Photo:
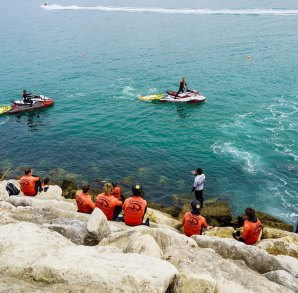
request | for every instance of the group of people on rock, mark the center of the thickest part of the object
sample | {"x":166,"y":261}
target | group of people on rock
{"x":134,"y":208}
{"x":112,"y":203}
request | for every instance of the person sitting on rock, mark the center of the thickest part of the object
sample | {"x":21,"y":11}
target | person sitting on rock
{"x":117,"y":191}
{"x":252,"y":228}
{"x":108,"y":203}
{"x":193,"y":222}
{"x":45,"y":184}
{"x":135,"y":208}
{"x":30,"y":184}
{"x":84,"y":201}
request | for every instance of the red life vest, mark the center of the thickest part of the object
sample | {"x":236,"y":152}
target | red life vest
{"x":193,"y":224}
{"x":27,"y":184}
{"x":251,"y":231}
{"x":84,"y":203}
{"x":134,"y":209}
{"x":107,"y":204}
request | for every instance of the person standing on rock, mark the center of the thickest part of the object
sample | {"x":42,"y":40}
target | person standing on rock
{"x":108,"y":203}
{"x":30,"y":184}
{"x":135,"y":208}
{"x":84,"y":201}
{"x":198,"y":185}
{"x":252,"y":228}
{"x":193,"y":222}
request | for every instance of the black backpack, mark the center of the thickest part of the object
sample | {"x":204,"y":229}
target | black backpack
{"x":12,"y":189}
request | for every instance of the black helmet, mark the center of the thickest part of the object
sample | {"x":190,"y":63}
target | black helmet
{"x":195,"y":205}
{"x":137,"y":189}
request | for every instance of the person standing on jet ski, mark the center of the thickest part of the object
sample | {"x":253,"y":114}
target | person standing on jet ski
{"x":182,"y":87}
{"x":27,"y":98}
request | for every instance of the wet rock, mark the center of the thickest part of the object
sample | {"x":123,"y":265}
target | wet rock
{"x":284,"y":245}
{"x":272,"y":222}
{"x":162,"y":218}
{"x":271,"y":233}
{"x":69,"y":188}
{"x":221,"y":232}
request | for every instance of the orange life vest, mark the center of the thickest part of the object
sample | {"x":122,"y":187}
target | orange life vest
{"x":84,"y":203}
{"x":107,"y":204}
{"x":251,"y":231}
{"x":193,"y":224}
{"x":27,"y":184}
{"x":116,"y":192}
{"x":134,"y":209}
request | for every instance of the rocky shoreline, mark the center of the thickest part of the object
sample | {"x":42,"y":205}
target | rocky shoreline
{"x":46,"y":246}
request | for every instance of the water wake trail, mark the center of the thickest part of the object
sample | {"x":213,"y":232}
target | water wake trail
{"x":189,"y":11}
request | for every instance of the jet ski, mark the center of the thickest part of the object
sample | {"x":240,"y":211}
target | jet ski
{"x":38,"y":102}
{"x":187,"y":97}
{"x":170,"y":97}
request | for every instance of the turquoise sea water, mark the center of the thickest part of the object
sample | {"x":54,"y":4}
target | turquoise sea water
{"x":95,"y":58}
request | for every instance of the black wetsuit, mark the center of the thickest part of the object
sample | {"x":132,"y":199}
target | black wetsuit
{"x":27,"y":98}
{"x":182,"y":88}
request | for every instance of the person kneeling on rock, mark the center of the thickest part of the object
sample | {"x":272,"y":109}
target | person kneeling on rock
{"x":108,"y":203}
{"x":84,"y":201}
{"x":135,"y":208}
{"x":252,"y":228}
{"x":193,"y":222}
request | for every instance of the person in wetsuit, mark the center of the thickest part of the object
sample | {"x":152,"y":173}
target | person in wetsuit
{"x":27,"y":98}
{"x":182,"y":87}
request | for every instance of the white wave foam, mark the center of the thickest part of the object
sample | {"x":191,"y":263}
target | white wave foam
{"x":175,"y":10}
{"x":251,"y":161}
{"x":129,"y":91}
{"x":4,"y":121}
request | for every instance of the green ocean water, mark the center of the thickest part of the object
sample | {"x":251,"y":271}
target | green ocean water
{"x":95,"y":58}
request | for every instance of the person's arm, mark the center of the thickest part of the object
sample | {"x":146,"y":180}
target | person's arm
{"x":187,"y":89}
{"x":90,"y":203}
{"x":245,"y":231}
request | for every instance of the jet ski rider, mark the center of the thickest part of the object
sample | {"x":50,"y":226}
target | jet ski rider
{"x":182,"y":87}
{"x":27,"y":98}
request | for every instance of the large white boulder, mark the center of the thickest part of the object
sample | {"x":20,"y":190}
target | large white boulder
{"x":255,"y":258}
{"x":98,"y":224}
{"x":53,"y":192}
{"x":283,"y":278}
{"x":46,"y":256}
{"x":229,"y":276}
{"x":144,"y":244}
{"x":41,"y":203}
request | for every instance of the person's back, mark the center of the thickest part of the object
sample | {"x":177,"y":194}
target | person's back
{"x":252,"y":228}
{"x":30,"y":184}
{"x":134,"y":207}
{"x":193,"y":222}
{"x":116,"y":190}
{"x":110,"y":205}
{"x":251,"y":231}
{"x":84,"y":201}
